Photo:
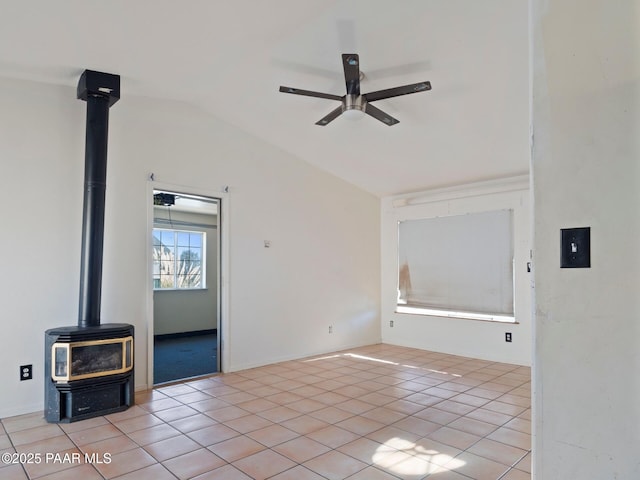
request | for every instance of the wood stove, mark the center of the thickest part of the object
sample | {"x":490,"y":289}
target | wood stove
{"x":89,"y":368}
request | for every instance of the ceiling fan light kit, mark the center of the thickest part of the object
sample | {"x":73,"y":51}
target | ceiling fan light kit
{"x":354,"y":103}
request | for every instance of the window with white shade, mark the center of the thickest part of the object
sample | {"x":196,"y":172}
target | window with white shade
{"x":459,"y":265}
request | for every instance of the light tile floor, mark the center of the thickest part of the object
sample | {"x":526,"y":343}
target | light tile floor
{"x":373,"y":413}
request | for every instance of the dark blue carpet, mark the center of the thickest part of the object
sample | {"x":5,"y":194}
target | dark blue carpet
{"x":175,"y":358}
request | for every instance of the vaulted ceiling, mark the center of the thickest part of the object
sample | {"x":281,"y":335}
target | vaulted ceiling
{"x":230,"y":57}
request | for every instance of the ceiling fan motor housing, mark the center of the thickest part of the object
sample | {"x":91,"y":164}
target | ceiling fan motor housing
{"x":354,"y":102}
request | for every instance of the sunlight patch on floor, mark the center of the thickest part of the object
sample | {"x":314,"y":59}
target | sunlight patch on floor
{"x":408,"y":459}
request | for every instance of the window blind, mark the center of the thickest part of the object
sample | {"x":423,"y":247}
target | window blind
{"x":460,"y":263}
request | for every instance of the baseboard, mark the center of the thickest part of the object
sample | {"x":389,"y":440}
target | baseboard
{"x":194,"y":333}
{"x":286,"y":358}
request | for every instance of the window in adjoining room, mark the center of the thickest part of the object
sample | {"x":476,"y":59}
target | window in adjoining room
{"x":457,"y":266}
{"x":178,"y":259}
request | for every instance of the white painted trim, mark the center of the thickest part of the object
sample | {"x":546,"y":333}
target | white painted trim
{"x":502,"y":185}
{"x":223,"y":265}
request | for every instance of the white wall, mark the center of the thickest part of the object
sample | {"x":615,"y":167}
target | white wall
{"x":465,"y":337}
{"x":586,"y":172}
{"x":322,"y":268}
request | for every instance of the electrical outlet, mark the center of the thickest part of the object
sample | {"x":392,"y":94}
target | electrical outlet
{"x":26,"y":372}
{"x":391,"y":323}
{"x":330,"y":329}
{"x":507,"y":337}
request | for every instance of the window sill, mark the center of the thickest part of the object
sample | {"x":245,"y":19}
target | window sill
{"x":179,"y":289}
{"x":451,"y":314}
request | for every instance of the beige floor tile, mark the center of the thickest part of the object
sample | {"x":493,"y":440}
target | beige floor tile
{"x":152,"y":472}
{"x":434,"y":415}
{"x":236,"y":448}
{"x":301,"y":449}
{"x":171,"y":447}
{"x":478,"y":468}
{"x":519,"y":424}
{"x":498,"y":452}
{"x":515,"y":474}
{"x":355,"y":406}
{"x":455,"y":438}
{"x":160,"y":404}
{"x":304,"y":424}
{"x":331,"y":414}
{"x":139,"y":422}
{"x":193,"y":463}
{"x":306,"y":405}
{"x":525,"y":464}
{"x":335,"y":465}
{"x":257,"y":405}
{"x":226,"y":472}
{"x":489,"y":416}
{"x":297,"y":473}
{"x":125,"y":462}
{"x":194,"y":422}
{"x":376,"y":412}
{"x":366,"y":450}
{"x":433,"y":451}
{"x":48,"y":445}
{"x":283,"y":398}
{"x":13,"y":472}
{"x":248,"y":423}
{"x":506,"y":408}
{"x":113,"y":445}
{"x":95,"y":434}
{"x":24,"y":422}
{"x":213,"y":434}
{"x":208,"y":404}
{"x":126,"y":414}
{"x":394,"y":437}
{"x":333,"y":436}
{"x":512,"y":437}
{"x":272,"y":435}
{"x":417,"y":426}
{"x":153,"y":434}
{"x":85,"y":472}
{"x":36,"y":434}
{"x":225,"y":414}
{"x":454,"y":407}
{"x":471,"y":425}
{"x":279,"y":414}
{"x":405,"y":465}
{"x":83,"y":425}
{"x":193,"y":397}
{"x":62,"y":460}
{"x":264,"y":464}
{"x":175,"y":413}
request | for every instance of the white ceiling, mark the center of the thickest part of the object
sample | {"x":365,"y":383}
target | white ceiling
{"x":230,"y":57}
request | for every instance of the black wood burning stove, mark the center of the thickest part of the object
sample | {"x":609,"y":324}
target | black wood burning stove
{"x":89,"y":367}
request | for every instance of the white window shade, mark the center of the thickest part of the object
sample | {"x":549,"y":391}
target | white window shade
{"x":461,"y":263}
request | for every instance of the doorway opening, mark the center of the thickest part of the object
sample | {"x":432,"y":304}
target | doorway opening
{"x":186,"y":286}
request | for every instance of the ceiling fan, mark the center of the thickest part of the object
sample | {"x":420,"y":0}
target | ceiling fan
{"x":354,"y":100}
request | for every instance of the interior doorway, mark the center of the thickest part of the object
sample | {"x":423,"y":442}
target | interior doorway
{"x":186,"y":286}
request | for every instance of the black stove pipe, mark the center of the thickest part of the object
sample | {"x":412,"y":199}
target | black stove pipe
{"x":100,"y":91}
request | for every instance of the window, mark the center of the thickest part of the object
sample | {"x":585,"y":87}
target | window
{"x":458,"y":266}
{"x":178,"y":259}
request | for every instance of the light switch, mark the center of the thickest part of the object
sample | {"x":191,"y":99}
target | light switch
{"x":575,"y":247}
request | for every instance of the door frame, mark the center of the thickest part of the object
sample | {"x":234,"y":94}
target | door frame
{"x":223,"y":267}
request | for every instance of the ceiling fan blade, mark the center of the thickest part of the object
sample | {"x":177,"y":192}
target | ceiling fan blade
{"x":351,"y":64}
{"x":309,"y":93}
{"x":397,"y":91}
{"x":380,"y":115}
{"x":331,"y":116}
